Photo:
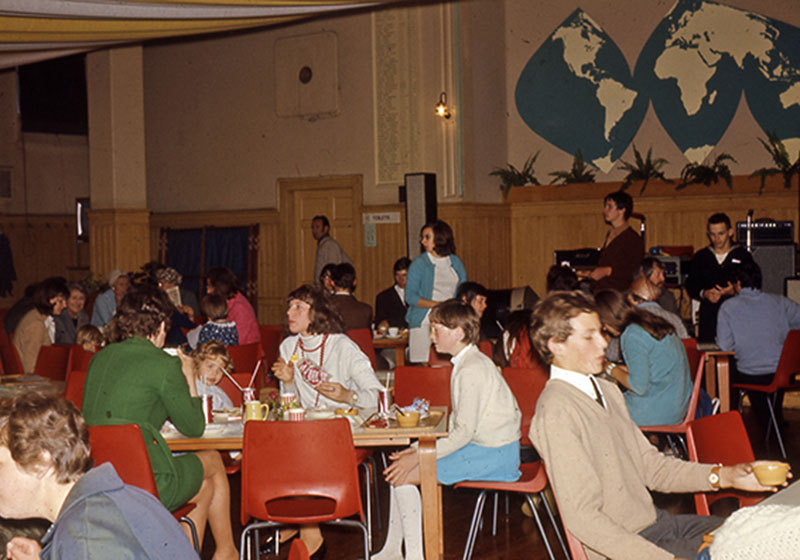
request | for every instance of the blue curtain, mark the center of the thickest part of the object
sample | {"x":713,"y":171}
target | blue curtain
{"x":184,"y":254}
{"x":228,"y":247}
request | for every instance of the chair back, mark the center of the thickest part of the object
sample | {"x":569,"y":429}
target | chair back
{"x":363,"y":337}
{"x":432,"y":383}
{"x":271,"y":337}
{"x":486,"y":347}
{"x":721,"y":438}
{"x":10,"y":358}
{"x":79,"y":358}
{"x":526,"y":384}
{"x":73,"y":390}
{"x":789,"y":362}
{"x":52,"y":362}
{"x":438,"y":360}
{"x":130,"y":460}
{"x":232,"y":390}
{"x":313,"y":478}
{"x":298,"y":551}
{"x":689,"y":343}
{"x":245,"y":357}
{"x":576,"y":549}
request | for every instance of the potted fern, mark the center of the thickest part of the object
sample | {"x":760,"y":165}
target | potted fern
{"x":510,"y":176}
{"x":697,"y":173}
{"x":643,"y":169}
{"x":580,"y":172}
{"x":780,"y":157}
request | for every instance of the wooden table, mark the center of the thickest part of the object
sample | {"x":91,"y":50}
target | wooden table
{"x":231,"y":439}
{"x":399,"y":344}
{"x":718,"y":373}
{"x":14,"y":385}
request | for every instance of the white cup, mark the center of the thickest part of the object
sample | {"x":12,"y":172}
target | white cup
{"x":394,"y":331}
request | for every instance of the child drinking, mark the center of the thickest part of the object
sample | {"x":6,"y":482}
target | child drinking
{"x":484,"y":430}
{"x":210,"y":359}
{"x":215,"y":308}
{"x":90,"y":338}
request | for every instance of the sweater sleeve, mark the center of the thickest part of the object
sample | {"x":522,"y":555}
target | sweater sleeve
{"x":466,"y":411}
{"x":361,"y":377}
{"x":185,"y":411}
{"x":414,"y":287}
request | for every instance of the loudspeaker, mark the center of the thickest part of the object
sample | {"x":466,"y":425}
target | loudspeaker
{"x":420,"y":195}
{"x":777,"y":262}
{"x":792,"y":290}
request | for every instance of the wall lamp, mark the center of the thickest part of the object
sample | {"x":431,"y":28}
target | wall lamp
{"x":441,"y":108}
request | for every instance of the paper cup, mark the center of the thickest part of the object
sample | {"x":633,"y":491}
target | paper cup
{"x":394,"y":332}
{"x":295,"y":415}
{"x":287,"y":398}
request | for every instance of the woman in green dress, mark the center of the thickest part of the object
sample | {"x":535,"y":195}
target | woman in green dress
{"x":134,"y":381}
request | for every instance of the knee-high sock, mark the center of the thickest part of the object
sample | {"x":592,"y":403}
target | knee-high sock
{"x":392,"y":546}
{"x":409,"y":505}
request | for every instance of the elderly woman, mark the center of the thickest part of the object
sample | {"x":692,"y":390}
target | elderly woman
{"x":133,"y":380}
{"x":323,"y":367}
{"x":45,"y":472}
{"x":433,"y":276}
{"x":106,"y":303}
{"x":169,"y":279}
{"x":223,"y":281}
{"x":657,"y":376}
{"x":37,"y":328}
{"x":73,"y":317}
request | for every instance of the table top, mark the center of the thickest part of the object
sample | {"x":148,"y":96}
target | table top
{"x":387,"y":341}
{"x":14,"y":385}
{"x":228,"y":436}
{"x":789,"y":496}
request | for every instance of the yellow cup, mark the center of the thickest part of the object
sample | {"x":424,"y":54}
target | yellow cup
{"x":771,"y":474}
{"x":408,"y":419}
{"x":255,"y":410}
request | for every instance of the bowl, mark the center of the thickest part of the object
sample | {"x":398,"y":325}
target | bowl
{"x":407,"y":419}
{"x":771,"y":474}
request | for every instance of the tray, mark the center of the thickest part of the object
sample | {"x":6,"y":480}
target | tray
{"x":427,"y":423}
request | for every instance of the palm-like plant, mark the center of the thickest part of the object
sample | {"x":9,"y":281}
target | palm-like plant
{"x":580,"y":172}
{"x":510,"y":176}
{"x":643,"y":169}
{"x":697,"y":173}
{"x":780,"y":156}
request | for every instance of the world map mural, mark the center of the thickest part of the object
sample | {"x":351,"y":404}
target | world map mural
{"x":578,"y":93}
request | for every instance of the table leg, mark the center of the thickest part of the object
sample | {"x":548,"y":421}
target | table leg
{"x":431,"y":503}
{"x":400,"y":356}
{"x":724,"y":381}
{"x":711,"y":376}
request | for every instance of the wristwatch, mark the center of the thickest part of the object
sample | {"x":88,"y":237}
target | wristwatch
{"x":713,"y":476}
{"x":610,"y":367}
{"x":354,"y":399}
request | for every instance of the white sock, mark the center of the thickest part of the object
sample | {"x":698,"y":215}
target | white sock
{"x":409,"y":505}
{"x":392,"y":546}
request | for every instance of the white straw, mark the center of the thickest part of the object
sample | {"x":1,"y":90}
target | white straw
{"x":389,"y":379}
{"x":253,"y":377}
{"x":232,"y":379}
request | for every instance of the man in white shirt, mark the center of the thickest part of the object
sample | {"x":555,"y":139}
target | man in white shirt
{"x":600,"y":465}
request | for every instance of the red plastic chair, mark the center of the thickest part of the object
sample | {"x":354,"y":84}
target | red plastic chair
{"x":10,"y":358}
{"x":485,"y":347}
{"x":73,"y":390}
{"x":788,"y":365}
{"x":79,"y":359}
{"x":245,"y":357}
{"x":698,"y":359}
{"x":721,"y":438}
{"x":313,"y":479}
{"x":438,"y":360}
{"x":689,"y":343}
{"x":271,"y":337}
{"x":52,"y":362}
{"x":132,"y":463}
{"x":526,"y":384}
{"x":432,"y":383}
{"x":298,"y":551}
{"x":363,"y":337}
{"x":576,"y":550}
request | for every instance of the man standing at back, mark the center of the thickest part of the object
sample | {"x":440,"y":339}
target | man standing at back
{"x":710,"y":276}
{"x":328,"y":249}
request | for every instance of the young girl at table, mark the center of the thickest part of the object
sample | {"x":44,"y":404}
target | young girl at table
{"x":484,"y":430}
{"x":210,"y":360}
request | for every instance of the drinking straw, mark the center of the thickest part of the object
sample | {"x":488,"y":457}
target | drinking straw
{"x":253,"y":377}
{"x":232,"y":379}
{"x":389,"y":379}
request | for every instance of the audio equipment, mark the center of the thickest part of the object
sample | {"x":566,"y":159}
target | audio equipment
{"x":577,"y":258}
{"x":777,"y":262}
{"x":419,"y":192}
{"x":768,"y":232}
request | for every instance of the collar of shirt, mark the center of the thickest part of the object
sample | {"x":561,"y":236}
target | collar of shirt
{"x":341,"y":293}
{"x":400,"y":292}
{"x":578,"y":380}
{"x":460,"y":356}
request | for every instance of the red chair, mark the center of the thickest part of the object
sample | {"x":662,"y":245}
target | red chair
{"x":271,"y":337}
{"x":73,"y":390}
{"x":788,"y":365}
{"x":4,"y":338}
{"x":698,"y":359}
{"x":576,"y":550}
{"x":526,"y":384}
{"x":363,"y":337}
{"x":232,"y":390}
{"x":52,"y":362}
{"x":79,"y":359}
{"x":245,"y":358}
{"x":689,"y":343}
{"x":298,"y":551}
{"x":432,"y":383}
{"x":313,"y":479}
{"x":438,"y":360}
{"x":132,"y":463}
{"x":485,"y":347}
{"x":721,"y":438}
{"x":10,"y":358}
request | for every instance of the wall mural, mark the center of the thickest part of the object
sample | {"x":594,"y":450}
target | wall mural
{"x":577,"y":91}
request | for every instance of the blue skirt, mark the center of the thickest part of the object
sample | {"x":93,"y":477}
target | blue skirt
{"x":474,"y":462}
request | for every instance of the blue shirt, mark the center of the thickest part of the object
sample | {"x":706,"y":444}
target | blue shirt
{"x":420,"y":285}
{"x":658,"y":376}
{"x":754,"y":325}
{"x":104,"y":307}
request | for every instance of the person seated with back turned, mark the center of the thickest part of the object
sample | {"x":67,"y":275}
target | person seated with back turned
{"x":390,"y":304}
{"x":711,"y":271}
{"x":46,"y":471}
{"x":623,"y":248}
{"x":754,"y":325}
{"x":600,"y":465}
{"x":356,"y":314}
{"x":653,"y":270}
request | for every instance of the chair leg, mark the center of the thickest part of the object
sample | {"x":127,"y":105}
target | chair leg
{"x":494,"y":515}
{"x":553,"y":521}
{"x":771,"y":407}
{"x":540,"y":526}
{"x":193,"y":530}
{"x":741,"y":399}
{"x":473,"y":526}
{"x":368,"y":501}
{"x":376,"y":492}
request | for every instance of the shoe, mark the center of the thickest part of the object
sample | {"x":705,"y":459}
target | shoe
{"x":319,"y":554}
{"x":268,"y":548}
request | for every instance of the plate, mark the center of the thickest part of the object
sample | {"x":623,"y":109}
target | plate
{"x":213,"y":429}
{"x":395,"y":337}
{"x":319,"y":414}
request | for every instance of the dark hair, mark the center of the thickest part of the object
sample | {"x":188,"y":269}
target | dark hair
{"x":443,"y":241}
{"x":623,"y":202}
{"x":323,"y":219}
{"x":48,"y":289}
{"x":720,"y":218}
{"x":142,"y":309}
{"x":551,"y":318}
{"x":468,"y":290}
{"x":343,"y":276}
{"x":517,"y":327}
{"x":401,"y":264}
{"x":326,"y":270}
{"x":561,"y":278}
{"x":749,"y":274}
{"x":214,"y":306}
{"x":33,"y":424}
{"x":453,"y":314}
{"x":325,"y":319}
{"x":224,"y":281}
{"x":647,"y":266}
{"x":615,"y":311}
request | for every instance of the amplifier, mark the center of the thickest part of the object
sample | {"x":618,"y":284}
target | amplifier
{"x":768,"y":232}
{"x":577,"y":258}
{"x":676,"y":269}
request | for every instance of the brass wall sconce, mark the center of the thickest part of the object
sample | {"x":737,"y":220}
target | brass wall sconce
{"x":441,"y":108}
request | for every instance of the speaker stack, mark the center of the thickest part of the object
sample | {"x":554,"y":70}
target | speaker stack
{"x":773,"y":249}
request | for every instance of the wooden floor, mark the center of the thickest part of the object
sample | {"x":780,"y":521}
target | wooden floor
{"x":517,"y":536}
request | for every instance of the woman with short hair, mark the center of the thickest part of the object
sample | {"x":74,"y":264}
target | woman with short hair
{"x":74,"y":315}
{"x":33,"y":331}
